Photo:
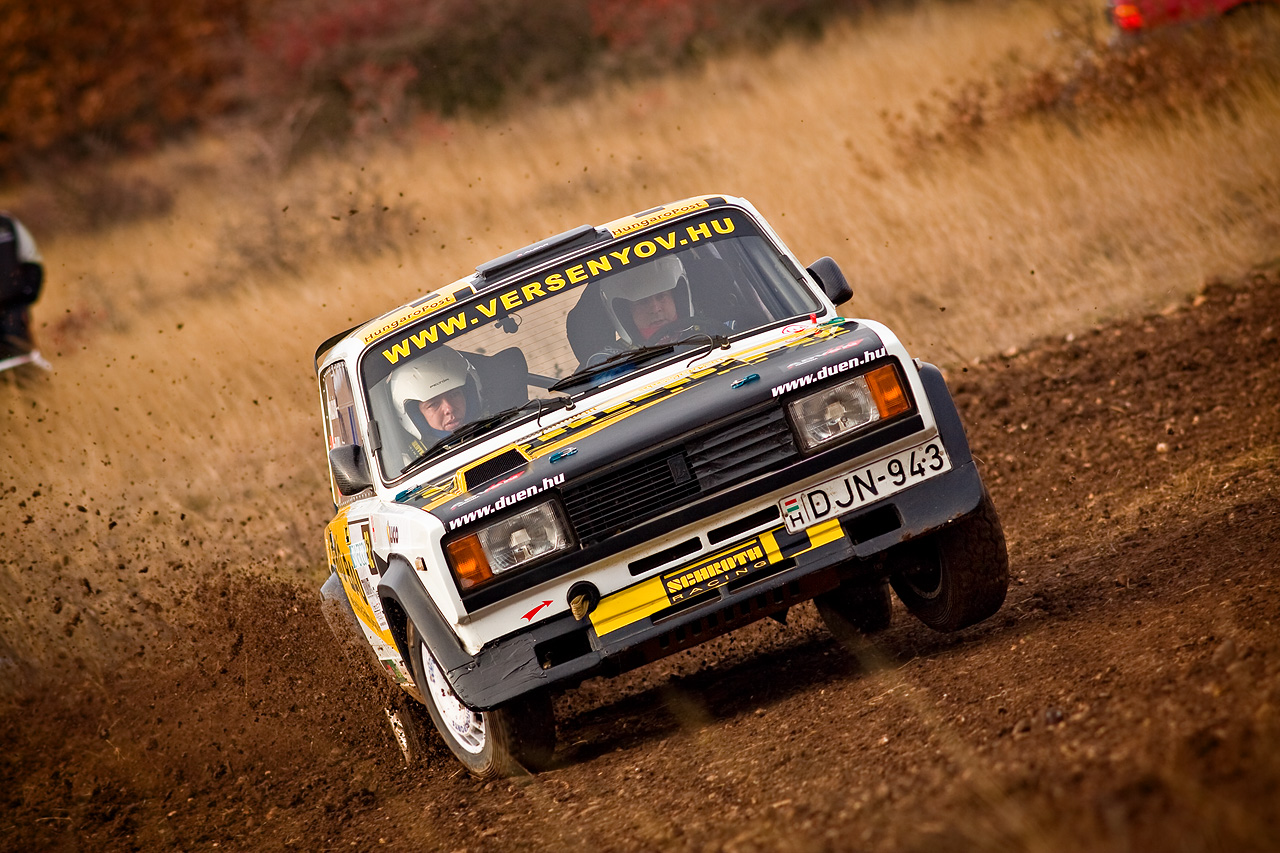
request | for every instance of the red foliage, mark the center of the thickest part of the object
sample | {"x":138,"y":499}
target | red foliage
{"x":85,"y":77}
{"x":302,"y":36}
{"x":625,"y":25}
{"x":95,"y":75}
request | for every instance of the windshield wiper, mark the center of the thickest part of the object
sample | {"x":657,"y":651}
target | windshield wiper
{"x":621,"y":359}
{"x":634,"y":357}
{"x":485,"y":424}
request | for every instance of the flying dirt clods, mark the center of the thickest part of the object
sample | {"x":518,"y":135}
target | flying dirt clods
{"x":1127,"y":697}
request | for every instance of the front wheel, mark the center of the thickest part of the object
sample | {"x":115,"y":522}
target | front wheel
{"x":410,"y":727}
{"x":513,"y":739}
{"x":956,"y":577}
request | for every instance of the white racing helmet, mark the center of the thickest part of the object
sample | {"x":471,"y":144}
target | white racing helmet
{"x":438,"y":372}
{"x":640,"y":282}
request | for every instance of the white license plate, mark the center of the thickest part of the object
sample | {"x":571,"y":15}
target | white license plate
{"x":865,"y":485}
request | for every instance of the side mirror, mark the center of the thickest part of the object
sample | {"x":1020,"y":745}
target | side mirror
{"x":832,"y":280}
{"x":349,"y":470}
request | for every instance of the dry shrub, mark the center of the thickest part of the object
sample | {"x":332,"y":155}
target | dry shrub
{"x":85,"y":78}
{"x":360,"y":65}
{"x":91,"y":198}
{"x":88,"y":79}
{"x":1098,"y":78}
{"x":353,"y":218}
{"x":444,"y":54}
{"x":648,"y":35}
{"x":321,"y":74}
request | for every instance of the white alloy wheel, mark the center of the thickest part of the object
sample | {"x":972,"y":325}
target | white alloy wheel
{"x":398,"y":730}
{"x":465,"y":725}
{"x":515,"y":738}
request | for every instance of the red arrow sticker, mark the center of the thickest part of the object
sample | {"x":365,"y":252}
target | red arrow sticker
{"x":528,"y":617}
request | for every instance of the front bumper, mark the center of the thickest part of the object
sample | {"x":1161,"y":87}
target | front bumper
{"x":564,"y":651}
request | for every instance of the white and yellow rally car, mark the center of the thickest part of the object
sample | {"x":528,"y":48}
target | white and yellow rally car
{"x":618,"y":443}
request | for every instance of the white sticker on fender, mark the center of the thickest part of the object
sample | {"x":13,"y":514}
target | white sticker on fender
{"x":864,"y":485}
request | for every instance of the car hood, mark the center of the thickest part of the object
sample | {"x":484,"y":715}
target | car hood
{"x":642,"y":418}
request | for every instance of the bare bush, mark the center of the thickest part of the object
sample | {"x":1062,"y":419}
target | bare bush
{"x":1097,"y":77}
{"x":88,"y":78}
{"x":352,"y":219}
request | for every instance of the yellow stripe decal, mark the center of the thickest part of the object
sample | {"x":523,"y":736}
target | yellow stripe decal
{"x":821,"y":534}
{"x":650,"y":596}
{"x":630,"y":605}
{"x":338,"y":545}
{"x":771,"y":549}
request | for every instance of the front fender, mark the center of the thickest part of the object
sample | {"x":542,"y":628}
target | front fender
{"x":403,"y":594}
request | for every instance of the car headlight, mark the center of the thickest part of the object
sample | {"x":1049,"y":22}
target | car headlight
{"x":835,"y":412}
{"x":518,"y":540}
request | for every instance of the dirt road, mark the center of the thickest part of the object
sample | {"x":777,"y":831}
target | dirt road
{"x":1126,"y":698}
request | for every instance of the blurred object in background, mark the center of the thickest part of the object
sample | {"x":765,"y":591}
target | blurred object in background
{"x":1135,"y":16}
{"x":88,"y":80}
{"x":21,"y":275}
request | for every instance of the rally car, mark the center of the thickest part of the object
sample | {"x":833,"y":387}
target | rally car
{"x":618,"y":443}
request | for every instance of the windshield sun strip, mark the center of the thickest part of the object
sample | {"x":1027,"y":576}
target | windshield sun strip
{"x":508,"y":297}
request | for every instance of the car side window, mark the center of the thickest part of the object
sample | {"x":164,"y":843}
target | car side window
{"x":339,"y":409}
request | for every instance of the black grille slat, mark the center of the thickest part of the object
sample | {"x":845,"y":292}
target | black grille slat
{"x":752,"y":446}
{"x":621,"y":499}
{"x":748,"y":457}
{"x":710,"y":460}
{"x":771,"y":419}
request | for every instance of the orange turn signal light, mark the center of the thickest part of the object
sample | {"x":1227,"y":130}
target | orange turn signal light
{"x":890,"y":398}
{"x":468,"y":561}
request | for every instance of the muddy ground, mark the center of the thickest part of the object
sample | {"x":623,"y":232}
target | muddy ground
{"x":1126,"y":698}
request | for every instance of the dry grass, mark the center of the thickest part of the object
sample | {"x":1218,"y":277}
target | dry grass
{"x":182,"y":406}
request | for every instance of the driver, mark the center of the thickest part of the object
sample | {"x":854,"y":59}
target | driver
{"x":648,"y":304}
{"x":436,"y":394}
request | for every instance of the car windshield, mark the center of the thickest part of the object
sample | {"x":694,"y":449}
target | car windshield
{"x":692,"y":285}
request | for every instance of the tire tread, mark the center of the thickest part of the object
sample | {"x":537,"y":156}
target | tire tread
{"x":975,"y":572}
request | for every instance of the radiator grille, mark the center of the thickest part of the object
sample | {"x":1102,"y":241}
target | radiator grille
{"x":741,"y":450}
{"x":709,"y":461}
{"x":620,"y":499}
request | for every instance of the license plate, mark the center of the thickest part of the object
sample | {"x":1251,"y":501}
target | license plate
{"x":865,"y":485}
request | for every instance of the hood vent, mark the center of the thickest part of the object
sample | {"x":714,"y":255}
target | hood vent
{"x":492,"y":469}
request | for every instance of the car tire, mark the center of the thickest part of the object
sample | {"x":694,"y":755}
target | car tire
{"x":514,"y":739}
{"x":411,"y":727}
{"x":854,"y":611}
{"x":956,"y":577}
